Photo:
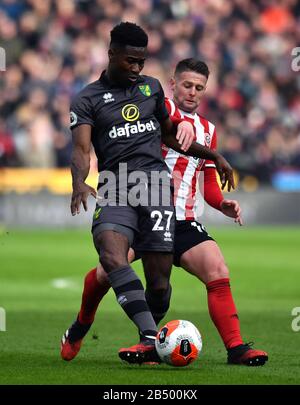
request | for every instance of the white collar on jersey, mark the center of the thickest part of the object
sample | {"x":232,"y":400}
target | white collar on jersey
{"x":186,"y":114}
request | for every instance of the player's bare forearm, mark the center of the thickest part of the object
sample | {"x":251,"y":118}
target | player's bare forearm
{"x":80,"y":167}
{"x":170,"y":136}
{"x":80,"y":158}
{"x":195,"y":150}
{"x":179,"y":130}
{"x":199,"y":151}
{"x":223,"y":167}
{"x":202,"y":152}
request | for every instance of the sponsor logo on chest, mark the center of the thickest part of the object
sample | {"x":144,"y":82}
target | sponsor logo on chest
{"x":131,"y":129}
{"x":131,"y":113}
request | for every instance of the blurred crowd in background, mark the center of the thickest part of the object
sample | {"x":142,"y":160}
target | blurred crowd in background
{"x":55,"y":47}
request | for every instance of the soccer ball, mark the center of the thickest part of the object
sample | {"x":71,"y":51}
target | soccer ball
{"x":178,"y":343}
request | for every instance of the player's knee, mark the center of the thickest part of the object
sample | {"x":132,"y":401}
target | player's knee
{"x":111,"y":261}
{"x":159,"y":287}
{"x":157,"y":282}
{"x":110,"y":255}
{"x":158,"y":300}
{"x":102,"y":277}
{"x":218,"y":271}
{"x":157,"y":290}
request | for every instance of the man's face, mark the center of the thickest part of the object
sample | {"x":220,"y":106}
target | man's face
{"x":127,"y":63}
{"x":188,"y":89}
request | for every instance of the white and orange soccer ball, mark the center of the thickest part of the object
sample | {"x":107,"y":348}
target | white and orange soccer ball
{"x":178,"y":343}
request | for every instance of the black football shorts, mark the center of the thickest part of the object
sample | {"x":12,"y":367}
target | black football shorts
{"x":187,"y":235}
{"x":153,"y":225}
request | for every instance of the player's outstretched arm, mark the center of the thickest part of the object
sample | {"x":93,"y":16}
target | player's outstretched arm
{"x":182,"y":132}
{"x":214,"y":197}
{"x":80,"y":167}
{"x":223,"y":167}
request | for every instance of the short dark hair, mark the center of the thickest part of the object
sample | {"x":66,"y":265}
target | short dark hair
{"x":192,"y":65}
{"x":127,"y":33}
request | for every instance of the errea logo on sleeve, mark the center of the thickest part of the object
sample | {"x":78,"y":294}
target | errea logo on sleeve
{"x":108,"y":98}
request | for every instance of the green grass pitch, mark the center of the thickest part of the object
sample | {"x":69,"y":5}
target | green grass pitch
{"x":40,"y":289}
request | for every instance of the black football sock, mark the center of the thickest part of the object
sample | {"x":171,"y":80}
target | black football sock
{"x":158,"y":303}
{"x":131,"y":296}
{"x":77,"y":331}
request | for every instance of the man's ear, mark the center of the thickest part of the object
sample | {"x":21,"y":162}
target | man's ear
{"x":111,"y":54}
{"x":172,"y":83}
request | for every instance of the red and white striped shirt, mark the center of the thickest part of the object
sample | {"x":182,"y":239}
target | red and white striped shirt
{"x":185,"y":169}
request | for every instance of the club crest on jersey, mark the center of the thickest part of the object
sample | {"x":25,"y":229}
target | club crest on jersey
{"x":207,"y":139}
{"x":145,"y":89}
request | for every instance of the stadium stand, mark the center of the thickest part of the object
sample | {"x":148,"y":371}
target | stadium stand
{"x":54,"y":47}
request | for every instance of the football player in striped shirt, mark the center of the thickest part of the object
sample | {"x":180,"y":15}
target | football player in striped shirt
{"x":195,"y":250}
